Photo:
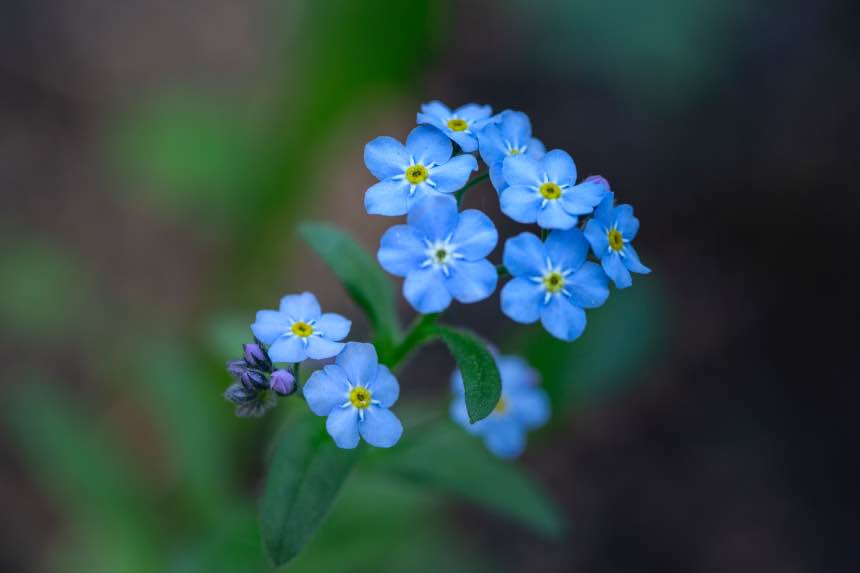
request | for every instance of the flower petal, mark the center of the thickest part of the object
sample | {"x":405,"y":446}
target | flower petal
{"x":288,"y":349}
{"x":452,"y":175}
{"x":270,"y":324}
{"x":342,"y":426}
{"x":425,"y":290}
{"x":530,"y":407}
{"x":471,"y":281}
{"x":496,"y":176}
{"x":426,"y":144}
{"x":632,"y":262}
{"x":434,"y":216}
{"x":520,"y":202}
{"x":401,"y":250}
{"x":614,"y":267}
{"x":562,"y":319}
{"x":536,"y":149}
{"x":324,"y":392}
{"x":460,"y":415}
{"x":358,"y":361}
{"x":523,"y":170}
{"x":475,"y":235}
{"x":559,"y":167}
{"x":516,"y":374}
{"x":320,"y":348}
{"x":304,"y":306}
{"x":333,"y":326}
{"x":521,"y":300}
{"x":567,"y":249}
{"x":380,"y":427}
{"x":467,"y":141}
{"x":604,"y":210}
{"x":387,"y":198}
{"x":553,"y":216}
{"x":435,"y":109}
{"x":524,"y":255}
{"x":384,"y":387}
{"x":506,"y":440}
{"x":626,"y":222}
{"x":472,"y":112}
{"x":385,"y":157}
{"x":583,"y":198}
{"x":589,"y":286}
{"x":516,"y":128}
{"x":597,"y":236}
{"x":491,"y":145}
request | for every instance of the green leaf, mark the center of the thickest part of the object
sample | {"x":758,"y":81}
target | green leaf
{"x":442,"y":457}
{"x":361,"y":276}
{"x":481,"y":379}
{"x":305,"y":475}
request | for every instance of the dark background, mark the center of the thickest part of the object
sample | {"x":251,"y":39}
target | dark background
{"x":155,"y":158}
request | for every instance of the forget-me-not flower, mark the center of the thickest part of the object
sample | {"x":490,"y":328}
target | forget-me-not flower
{"x":442,"y":254}
{"x":299,"y":330}
{"x":461,"y":125}
{"x":523,"y":406}
{"x":552,"y":282}
{"x":543,"y":191}
{"x":511,"y":135}
{"x":355,"y":393}
{"x":610,"y":233}
{"x":423,"y":166}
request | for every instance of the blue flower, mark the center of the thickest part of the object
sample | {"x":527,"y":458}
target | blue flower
{"x":512,"y":135}
{"x":355,"y":393}
{"x":442,"y":254}
{"x":542,"y":190}
{"x":552,"y":282}
{"x":461,"y":125}
{"x":299,"y":330}
{"x":423,"y":166}
{"x":610,"y":233}
{"x":523,"y":406}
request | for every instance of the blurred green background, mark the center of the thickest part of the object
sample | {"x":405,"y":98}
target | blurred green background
{"x":156,"y":160}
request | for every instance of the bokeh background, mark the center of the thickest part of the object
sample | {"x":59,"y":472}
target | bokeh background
{"x":156,"y":157}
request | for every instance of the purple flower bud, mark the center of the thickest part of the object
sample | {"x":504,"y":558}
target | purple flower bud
{"x":236,"y":368}
{"x":283,"y":382}
{"x":256,"y":357}
{"x":252,"y":379}
{"x":238,"y":394}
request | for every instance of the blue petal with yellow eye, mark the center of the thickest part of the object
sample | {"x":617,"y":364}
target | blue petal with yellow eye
{"x":610,"y":233}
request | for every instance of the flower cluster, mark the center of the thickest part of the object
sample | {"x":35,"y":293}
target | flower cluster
{"x":442,"y":253}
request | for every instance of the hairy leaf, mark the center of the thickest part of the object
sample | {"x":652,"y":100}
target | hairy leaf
{"x":483,"y":386}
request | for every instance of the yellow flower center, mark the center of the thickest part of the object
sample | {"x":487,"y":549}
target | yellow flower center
{"x":501,"y":407}
{"x":616,"y":241}
{"x":302,"y":329}
{"x":457,"y":124}
{"x":550,"y":190}
{"x":415,"y":174}
{"x":514,"y":151}
{"x":553,"y":282}
{"x":360,"y":397}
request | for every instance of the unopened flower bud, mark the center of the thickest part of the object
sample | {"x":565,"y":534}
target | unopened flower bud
{"x":256,"y":357}
{"x":236,"y":368}
{"x":239,"y":394}
{"x":253,"y":379}
{"x":283,"y":382}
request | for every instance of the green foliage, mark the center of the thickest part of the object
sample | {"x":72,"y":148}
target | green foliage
{"x":443,"y":458}
{"x":360,"y":275}
{"x":481,"y":379}
{"x":305,"y":475}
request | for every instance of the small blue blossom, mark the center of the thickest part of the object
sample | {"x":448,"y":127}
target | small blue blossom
{"x":299,"y":330}
{"x":552,"y":282}
{"x":610,"y":232}
{"x":423,"y":166}
{"x":523,"y":406}
{"x":442,"y":254}
{"x":543,"y":191}
{"x":511,"y":136}
{"x":355,"y":393}
{"x":461,"y":125}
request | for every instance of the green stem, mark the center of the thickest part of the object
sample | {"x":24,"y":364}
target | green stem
{"x":543,"y":234}
{"x":420,"y":332}
{"x":459,"y":194}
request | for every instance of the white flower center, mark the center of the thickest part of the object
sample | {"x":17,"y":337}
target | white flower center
{"x":553,"y":281}
{"x":441,"y":255}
